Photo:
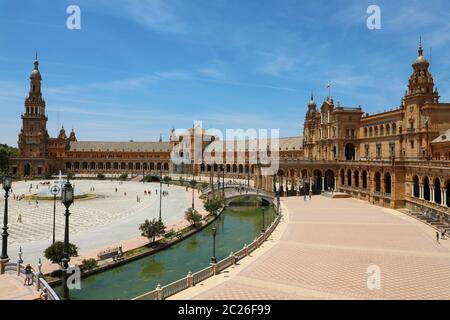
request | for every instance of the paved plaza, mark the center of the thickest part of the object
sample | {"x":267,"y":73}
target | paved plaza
{"x":12,"y":288}
{"x":322,"y":250}
{"x":108,"y":220}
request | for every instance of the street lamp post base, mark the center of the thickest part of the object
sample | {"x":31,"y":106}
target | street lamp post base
{"x":3,"y":263}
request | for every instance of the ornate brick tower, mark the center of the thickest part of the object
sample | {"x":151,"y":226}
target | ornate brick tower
{"x":33,"y":138}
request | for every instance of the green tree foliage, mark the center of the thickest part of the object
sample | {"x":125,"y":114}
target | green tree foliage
{"x":192,"y":216}
{"x":152,"y":229}
{"x":151,"y":178}
{"x":88,"y":264}
{"x":55,"y":252}
{"x":214,"y":203}
{"x":6,"y":152}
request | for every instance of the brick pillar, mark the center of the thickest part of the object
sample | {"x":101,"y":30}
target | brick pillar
{"x":444,"y":197}
{"x":190,"y":280}
{"x":432,"y":194}
{"x":159,"y":295}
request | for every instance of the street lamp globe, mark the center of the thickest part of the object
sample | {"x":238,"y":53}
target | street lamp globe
{"x":67,"y":194}
{"x":7,"y":182}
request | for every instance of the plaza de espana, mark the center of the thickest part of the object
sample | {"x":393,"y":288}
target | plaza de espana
{"x":399,"y":158}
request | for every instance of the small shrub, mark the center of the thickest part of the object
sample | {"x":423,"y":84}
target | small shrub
{"x":88,"y":264}
{"x":101,"y":176}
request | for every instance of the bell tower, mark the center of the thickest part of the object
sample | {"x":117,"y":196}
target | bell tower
{"x":421,"y":84}
{"x":33,"y":138}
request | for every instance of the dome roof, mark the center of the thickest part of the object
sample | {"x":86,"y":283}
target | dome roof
{"x":35,"y":74}
{"x":421,"y":59}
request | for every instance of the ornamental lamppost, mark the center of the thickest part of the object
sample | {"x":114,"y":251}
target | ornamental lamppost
{"x":223,"y":181}
{"x":67,"y":196}
{"x":54,"y":191}
{"x":7,"y":182}
{"x":193,"y":189}
{"x":160,"y":192}
{"x":263,"y":220}
{"x":278,"y":203}
{"x":214,"y":259}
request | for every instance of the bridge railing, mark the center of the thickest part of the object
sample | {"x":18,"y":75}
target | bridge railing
{"x":161,"y":293}
{"x":38,"y":280}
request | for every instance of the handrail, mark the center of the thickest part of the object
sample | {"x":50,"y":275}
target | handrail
{"x":38,"y":280}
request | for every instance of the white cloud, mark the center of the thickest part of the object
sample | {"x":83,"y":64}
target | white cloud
{"x":278,"y":64}
{"x":156,"y":15}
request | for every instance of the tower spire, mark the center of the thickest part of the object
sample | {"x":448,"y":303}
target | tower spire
{"x":420,"y":47}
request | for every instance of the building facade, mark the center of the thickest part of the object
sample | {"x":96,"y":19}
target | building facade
{"x":399,"y":158}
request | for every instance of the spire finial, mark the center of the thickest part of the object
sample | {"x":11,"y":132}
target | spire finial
{"x":36,"y":62}
{"x":420,"y":47}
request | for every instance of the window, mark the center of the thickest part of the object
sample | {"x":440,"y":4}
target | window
{"x":366,"y":150}
{"x":392,"y":149}
{"x":378,"y":150}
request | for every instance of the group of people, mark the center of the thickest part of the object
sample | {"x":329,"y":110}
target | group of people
{"x":18,"y":197}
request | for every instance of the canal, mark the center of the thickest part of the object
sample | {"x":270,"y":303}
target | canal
{"x":238,"y":225}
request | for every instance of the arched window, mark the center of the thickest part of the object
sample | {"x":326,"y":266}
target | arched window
{"x":426,"y":189}
{"x":416,"y":187}
{"x":387,"y":183}
{"x":437,"y":191}
{"x":377,"y":182}
{"x":364,"y":179}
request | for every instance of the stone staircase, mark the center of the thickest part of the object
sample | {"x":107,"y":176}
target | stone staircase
{"x":426,"y":219}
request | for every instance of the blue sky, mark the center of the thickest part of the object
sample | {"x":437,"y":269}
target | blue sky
{"x":140,"y":67}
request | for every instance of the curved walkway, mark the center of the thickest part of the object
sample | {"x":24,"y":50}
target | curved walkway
{"x":12,"y":288}
{"x":323,"y":249}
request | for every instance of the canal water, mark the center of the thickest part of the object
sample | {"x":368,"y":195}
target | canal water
{"x":235,"y":227}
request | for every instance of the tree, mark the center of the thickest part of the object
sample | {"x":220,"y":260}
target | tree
{"x":213,"y":204}
{"x":192,"y":216}
{"x":152,"y":229}
{"x":55,"y":253}
{"x":123,"y":177}
{"x":6,"y":152}
{"x":167,"y":179}
{"x":193,"y":183}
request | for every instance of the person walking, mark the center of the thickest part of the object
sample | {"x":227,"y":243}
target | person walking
{"x":44,"y":294}
{"x":437,"y":236}
{"x":28,"y":276}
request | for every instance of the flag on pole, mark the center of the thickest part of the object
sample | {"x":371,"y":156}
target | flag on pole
{"x":329,"y":89}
